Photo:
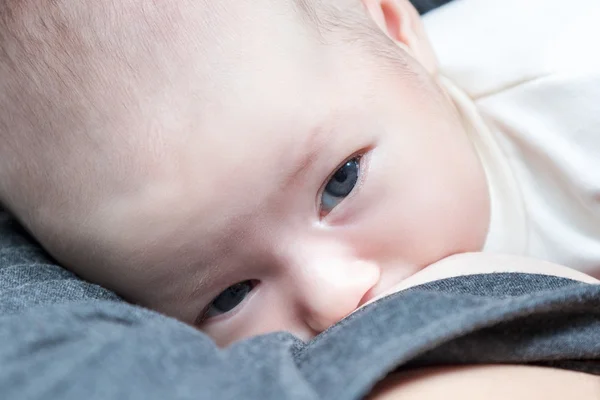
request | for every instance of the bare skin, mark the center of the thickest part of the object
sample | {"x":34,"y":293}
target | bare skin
{"x":301,"y":152}
{"x":493,"y":382}
{"x":205,"y":140}
{"x":485,"y":263}
{"x":488,"y":381}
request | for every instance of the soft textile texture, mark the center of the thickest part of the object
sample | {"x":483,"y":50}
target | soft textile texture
{"x":61,"y":338}
{"x":531,"y":71}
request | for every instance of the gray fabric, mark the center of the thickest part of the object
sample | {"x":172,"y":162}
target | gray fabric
{"x":62,"y":338}
{"x":28,"y":277}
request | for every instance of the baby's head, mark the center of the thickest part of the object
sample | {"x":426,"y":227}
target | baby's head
{"x":243,"y":165}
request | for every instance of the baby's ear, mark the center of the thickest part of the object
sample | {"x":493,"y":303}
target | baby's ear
{"x":401,"y":22}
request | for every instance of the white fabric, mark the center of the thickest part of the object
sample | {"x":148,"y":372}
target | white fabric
{"x":529,"y":79}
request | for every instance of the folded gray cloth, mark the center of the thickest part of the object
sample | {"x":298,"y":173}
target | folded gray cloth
{"x":62,"y":338}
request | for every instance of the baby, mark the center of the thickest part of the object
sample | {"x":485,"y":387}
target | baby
{"x":249,"y":166}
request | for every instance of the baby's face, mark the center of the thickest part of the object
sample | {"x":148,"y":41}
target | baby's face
{"x":285,"y":180}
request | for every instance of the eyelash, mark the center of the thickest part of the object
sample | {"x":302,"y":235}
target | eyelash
{"x":202,"y":317}
{"x":361,"y":157}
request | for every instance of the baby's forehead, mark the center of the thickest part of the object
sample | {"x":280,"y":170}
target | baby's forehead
{"x":147,"y":91}
{"x":140,"y":25}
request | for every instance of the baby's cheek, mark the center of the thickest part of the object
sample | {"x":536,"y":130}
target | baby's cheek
{"x":410,"y":208}
{"x":407,"y":226}
{"x":396,"y":229}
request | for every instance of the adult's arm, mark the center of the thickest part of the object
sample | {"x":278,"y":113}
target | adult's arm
{"x":490,"y":382}
{"x":89,"y":344}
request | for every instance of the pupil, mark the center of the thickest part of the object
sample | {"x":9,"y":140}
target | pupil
{"x":344,"y":180}
{"x":341,"y":174}
{"x":232,"y":296}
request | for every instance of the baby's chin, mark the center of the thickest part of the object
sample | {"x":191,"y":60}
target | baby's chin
{"x":481,"y":263}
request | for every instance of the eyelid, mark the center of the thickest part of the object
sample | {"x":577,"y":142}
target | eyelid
{"x":363,"y":156}
{"x":201,"y":319}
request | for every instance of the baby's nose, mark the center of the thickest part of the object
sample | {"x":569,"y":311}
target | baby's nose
{"x":332,"y":289}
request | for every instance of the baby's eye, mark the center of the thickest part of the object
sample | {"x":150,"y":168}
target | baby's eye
{"x":340,"y":185}
{"x":229,"y":299}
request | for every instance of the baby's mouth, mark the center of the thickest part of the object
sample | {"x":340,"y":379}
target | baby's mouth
{"x":367,"y":298}
{"x":371,"y":296}
{"x":380,"y":290}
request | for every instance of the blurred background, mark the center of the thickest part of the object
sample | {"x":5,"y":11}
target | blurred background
{"x":426,"y":5}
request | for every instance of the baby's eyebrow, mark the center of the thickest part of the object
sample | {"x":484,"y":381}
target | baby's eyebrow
{"x":309,"y":151}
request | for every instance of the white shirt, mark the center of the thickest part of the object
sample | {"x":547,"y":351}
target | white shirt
{"x":525,"y":76}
